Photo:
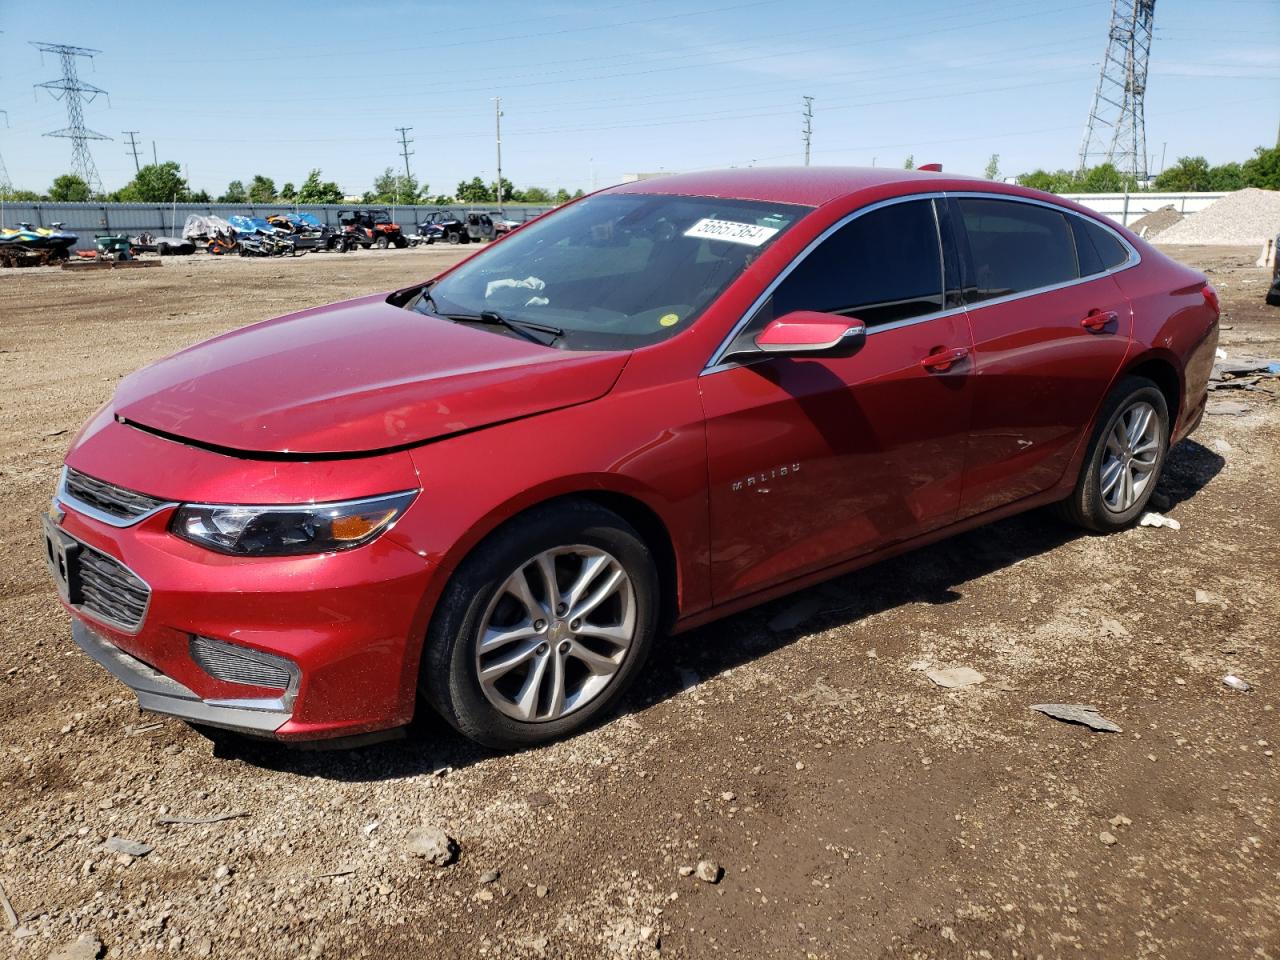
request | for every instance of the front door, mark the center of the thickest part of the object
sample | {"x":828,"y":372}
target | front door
{"x":817,"y":460}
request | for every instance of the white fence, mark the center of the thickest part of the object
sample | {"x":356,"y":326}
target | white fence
{"x":1124,"y":208}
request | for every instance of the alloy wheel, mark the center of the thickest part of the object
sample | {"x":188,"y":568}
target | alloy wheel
{"x":555,"y":633}
{"x":1131,"y":456}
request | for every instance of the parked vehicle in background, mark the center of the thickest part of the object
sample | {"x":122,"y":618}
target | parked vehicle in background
{"x":25,"y":245}
{"x":372,"y":228}
{"x":305,"y":230}
{"x":488,"y":493}
{"x":163,"y":246}
{"x":442,"y":227}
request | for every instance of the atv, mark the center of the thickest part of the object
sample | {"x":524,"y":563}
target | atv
{"x":372,"y":228}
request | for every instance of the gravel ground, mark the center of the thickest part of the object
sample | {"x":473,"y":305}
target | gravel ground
{"x":767,"y":791}
{"x":1243,"y":217}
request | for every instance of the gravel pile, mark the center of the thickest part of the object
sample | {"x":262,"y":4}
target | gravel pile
{"x":1245,"y":217}
{"x":1157,"y":221}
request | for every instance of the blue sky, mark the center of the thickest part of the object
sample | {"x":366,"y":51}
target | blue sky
{"x":591,"y":91}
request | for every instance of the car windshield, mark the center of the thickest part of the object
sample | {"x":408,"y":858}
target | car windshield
{"x":614,"y":271}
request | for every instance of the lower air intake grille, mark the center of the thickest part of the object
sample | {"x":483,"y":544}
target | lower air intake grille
{"x":110,"y":591}
{"x":232,"y":664}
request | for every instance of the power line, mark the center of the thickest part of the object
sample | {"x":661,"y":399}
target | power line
{"x":75,"y":93}
{"x":406,"y":152}
{"x":1122,"y":87}
{"x":133,"y":148}
{"x":808,"y":126}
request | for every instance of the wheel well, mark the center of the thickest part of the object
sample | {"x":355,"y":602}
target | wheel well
{"x":654,"y":533}
{"x":1163,"y":375}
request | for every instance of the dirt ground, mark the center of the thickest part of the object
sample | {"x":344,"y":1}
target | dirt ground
{"x":857,"y":810}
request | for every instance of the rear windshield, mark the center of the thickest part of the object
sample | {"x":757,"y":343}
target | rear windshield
{"x":615,"y":271}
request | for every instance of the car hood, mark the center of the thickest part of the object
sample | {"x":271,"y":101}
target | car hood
{"x":355,"y":377}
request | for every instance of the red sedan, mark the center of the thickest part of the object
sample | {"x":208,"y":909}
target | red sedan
{"x":652,"y":407}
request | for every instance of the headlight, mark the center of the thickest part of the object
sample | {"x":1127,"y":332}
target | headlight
{"x":281,"y":531}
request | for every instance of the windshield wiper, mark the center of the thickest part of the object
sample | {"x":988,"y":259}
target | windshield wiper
{"x":525,"y":328}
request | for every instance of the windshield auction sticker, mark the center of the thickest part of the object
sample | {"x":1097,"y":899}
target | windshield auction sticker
{"x":731,"y":231}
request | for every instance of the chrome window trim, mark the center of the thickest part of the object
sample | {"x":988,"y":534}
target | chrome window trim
{"x":63,"y":497}
{"x":716,"y":363}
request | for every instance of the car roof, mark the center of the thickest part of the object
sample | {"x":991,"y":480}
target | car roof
{"x":811,"y":186}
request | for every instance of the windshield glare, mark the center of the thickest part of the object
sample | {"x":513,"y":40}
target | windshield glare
{"x":615,"y":271}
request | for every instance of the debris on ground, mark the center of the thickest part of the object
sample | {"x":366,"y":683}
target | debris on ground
{"x":201,"y":821}
{"x":434,"y":845}
{"x":87,"y":947}
{"x":1235,"y":683}
{"x":709,"y":871}
{"x":1108,"y":838}
{"x":1243,"y":372}
{"x":1155,"y":222}
{"x":129,"y":848}
{"x":10,"y":916}
{"x":796,"y":613}
{"x":1152,"y":519}
{"x":955,"y":677}
{"x":1243,"y":217}
{"x":1077,"y":713}
{"x":1226,"y":408}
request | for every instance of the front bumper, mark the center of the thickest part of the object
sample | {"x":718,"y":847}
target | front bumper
{"x":161,"y":694}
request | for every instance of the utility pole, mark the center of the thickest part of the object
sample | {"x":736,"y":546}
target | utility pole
{"x":75,"y":93}
{"x":497,"y":126}
{"x":133,"y":148}
{"x":808,"y":126}
{"x":154,"y":159}
{"x":1116,"y":130}
{"x":5,"y":185}
{"x":405,"y":152}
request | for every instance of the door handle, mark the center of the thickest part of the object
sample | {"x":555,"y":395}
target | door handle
{"x":942,"y":360}
{"x":1097,"y":320}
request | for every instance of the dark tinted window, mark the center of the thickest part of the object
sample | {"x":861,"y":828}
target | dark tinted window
{"x":1086,"y":252}
{"x":883,"y":266}
{"x":1017,"y":246}
{"x":1111,"y":251}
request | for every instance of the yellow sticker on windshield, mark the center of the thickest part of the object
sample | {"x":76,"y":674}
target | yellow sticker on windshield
{"x":668,"y":320}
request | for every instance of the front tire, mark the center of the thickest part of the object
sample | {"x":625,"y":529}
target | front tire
{"x":543,"y":627}
{"x":1125,"y":457}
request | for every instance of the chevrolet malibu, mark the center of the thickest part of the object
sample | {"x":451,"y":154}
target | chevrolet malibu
{"x":660,"y":404}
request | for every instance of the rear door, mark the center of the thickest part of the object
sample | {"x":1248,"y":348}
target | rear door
{"x":1051,"y":329}
{"x":814,"y":461}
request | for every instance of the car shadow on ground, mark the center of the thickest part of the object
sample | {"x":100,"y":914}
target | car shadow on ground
{"x":933,"y":575}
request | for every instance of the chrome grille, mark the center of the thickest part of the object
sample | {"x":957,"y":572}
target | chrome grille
{"x":109,"y":590}
{"x":107,"y":497}
{"x":227,"y":662}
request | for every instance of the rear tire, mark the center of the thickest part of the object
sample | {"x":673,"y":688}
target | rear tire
{"x":1125,"y":457}
{"x":500,"y":591}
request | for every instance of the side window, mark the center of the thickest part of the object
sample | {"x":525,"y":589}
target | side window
{"x":1111,"y":251}
{"x":881,"y":267}
{"x":1017,"y":247}
{"x":1086,"y":251}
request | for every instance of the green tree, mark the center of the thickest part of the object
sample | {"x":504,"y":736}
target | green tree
{"x":69,"y":188}
{"x":1226,"y":176}
{"x":910,"y":162}
{"x":562,"y":196}
{"x":537,"y":195}
{"x":392,"y":187}
{"x":288,"y":192}
{"x":314,"y":190}
{"x":1059,"y":181}
{"x":508,"y":190}
{"x":1189,"y":173}
{"x":262,"y":189}
{"x":199,"y":196}
{"x":1262,"y":169}
{"x":578,"y":193}
{"x":1105,"y":178}
{"x":992,"y":171}
{"x":474,"y":191}
{"x":235,"y":193}
{"x":20,"y":196}
{"x":155,"y":183}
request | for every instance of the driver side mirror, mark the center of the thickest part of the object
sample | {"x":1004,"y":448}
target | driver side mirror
{"x":808,"y":333}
